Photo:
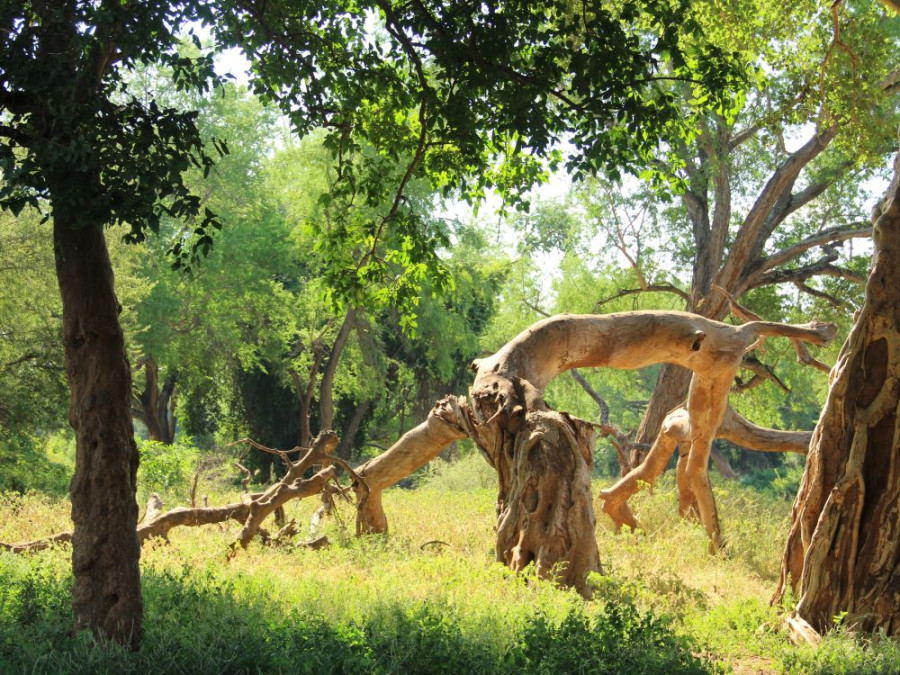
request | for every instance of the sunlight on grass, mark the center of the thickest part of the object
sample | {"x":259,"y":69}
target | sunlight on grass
{"x":434,"y":577}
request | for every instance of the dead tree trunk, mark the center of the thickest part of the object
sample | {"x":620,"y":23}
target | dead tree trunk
{"x":842,"y":551}
{"x":542,"y":458}
{"x":106,"y":593}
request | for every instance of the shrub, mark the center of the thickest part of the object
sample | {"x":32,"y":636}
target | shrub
{"x":166,"y":468}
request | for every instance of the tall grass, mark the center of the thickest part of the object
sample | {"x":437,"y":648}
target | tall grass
{"x":428,"y":598}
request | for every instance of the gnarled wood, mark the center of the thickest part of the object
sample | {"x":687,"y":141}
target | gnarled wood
{"x":509,"y":382}
{"x":250,"y":511}
{"x":542,"y":458}
{"x":675,"y":434}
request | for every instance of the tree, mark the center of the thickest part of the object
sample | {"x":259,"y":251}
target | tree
{"x":755,"y":213}
{"x":543,"y":457}
{"x":469,"y":96}
{"x":74,"y":144}
{"x":840,"y":557}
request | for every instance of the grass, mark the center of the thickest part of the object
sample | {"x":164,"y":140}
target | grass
{"x":429,"y":598}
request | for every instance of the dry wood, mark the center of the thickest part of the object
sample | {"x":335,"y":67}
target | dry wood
{"x":250,"y":511}
{"x":543,"y":458}
{"x":676,"y":433}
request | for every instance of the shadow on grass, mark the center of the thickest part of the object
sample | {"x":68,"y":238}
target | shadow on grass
{"x":195,"y":622}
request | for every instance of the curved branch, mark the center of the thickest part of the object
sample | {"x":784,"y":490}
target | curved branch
{"x":822,"y":267}
{"x":861,"y":230}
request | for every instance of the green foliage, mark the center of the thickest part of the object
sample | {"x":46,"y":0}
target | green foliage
{"x":479,"y":99}
{"x":199,"y":622}
{"x":844,"y":652}
{"x":429,"y":598}
{"x":165,"y":468}
{"x":781,"y":482}
{"x":33,"y":393}
{"x":75,"y":142}
{"x":466,"y":474}
{"x":619,"y":639}
{"x":29,"y":463}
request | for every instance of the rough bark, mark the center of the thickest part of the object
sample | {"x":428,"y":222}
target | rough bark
{"x":106,"y":593}
{"x":842,"y":551}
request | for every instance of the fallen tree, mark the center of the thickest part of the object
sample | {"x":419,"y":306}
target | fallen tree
{"x":250,"y":512}
{"x":543,"y":457}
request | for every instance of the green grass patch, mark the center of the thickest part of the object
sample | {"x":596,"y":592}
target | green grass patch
{"x":429,"y":597}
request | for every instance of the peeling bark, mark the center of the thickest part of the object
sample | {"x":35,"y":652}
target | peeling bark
{"x":842,"y":551}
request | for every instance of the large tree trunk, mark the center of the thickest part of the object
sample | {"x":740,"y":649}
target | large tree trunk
{"x":844,"y":544}
{"x":106,"y":595}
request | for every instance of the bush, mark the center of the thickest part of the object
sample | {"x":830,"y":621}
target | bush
{"x":166,"y":468}
{"x":845,"y":653}
{"x":618,"y":640}
{"x":470,"y":472}
{"x":197,"y":621}
{"x":25,"y":465}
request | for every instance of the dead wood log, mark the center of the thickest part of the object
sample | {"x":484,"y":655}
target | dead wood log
{"x":250,"y":512}
{"x":543,"y":458}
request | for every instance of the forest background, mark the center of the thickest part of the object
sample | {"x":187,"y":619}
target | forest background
{"x":299,"y":318}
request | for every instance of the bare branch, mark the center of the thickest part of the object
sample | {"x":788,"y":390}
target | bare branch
{"x":859,"y":230}
{"x":821,"y":267}
{"x":776,"y":189}
{"x":535,"y":308}
{"x":761,"y":373}
{"x":651,"y":288}
{"x":742,"y":136}
{"x":604,"y":408}
{"x":804,"y":357}
{"x":827,"y":297}
{"x":737,"y":309}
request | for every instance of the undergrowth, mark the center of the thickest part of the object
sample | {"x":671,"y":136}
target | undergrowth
{"x":429,"y":598}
